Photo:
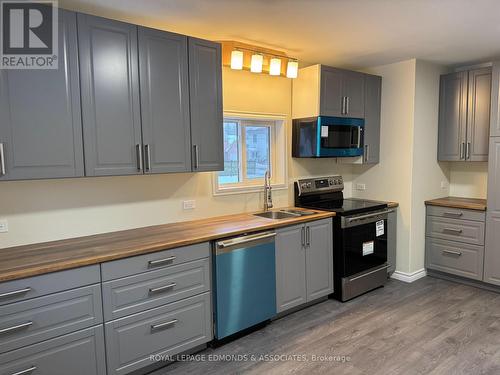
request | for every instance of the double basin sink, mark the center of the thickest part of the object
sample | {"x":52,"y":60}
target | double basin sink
{"x":284,"y":214}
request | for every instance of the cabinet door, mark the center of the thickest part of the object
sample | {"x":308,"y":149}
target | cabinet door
{"x":163,"y":67}
{"x":40,"y":119}
{"x":290,"y":268}
{"x":492,"y":249}
{"x":373,"y":90}
{"x":452,"y":117}
{"x":319,"y":259}
{"x":354,"y":91}
{"x":478,"y":120}
{"x":110,"y":96}
{"x":331,"y":95}
{"x":495,"y":103}
{"x":205,"y":87}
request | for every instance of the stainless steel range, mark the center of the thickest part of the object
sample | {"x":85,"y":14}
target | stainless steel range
{"x":359,"y":235}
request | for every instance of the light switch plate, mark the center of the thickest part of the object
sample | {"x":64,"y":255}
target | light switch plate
{"x":189,"y":205}
{"x":4,"y":226}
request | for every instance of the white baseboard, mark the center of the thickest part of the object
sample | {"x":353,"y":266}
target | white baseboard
{"x":409,"y":277}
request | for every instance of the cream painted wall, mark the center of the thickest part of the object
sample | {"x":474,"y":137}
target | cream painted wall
{"x":469,"y":179}
{"x":391,"y":178}
{"x":47,"y":210}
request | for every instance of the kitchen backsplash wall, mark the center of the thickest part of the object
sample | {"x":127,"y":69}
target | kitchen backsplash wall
{"x":469,"y":179}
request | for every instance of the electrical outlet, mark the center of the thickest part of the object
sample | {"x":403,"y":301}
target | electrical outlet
{"x":4,"y":226}
{"x":189,"y":205}
{"x":360,"y":186}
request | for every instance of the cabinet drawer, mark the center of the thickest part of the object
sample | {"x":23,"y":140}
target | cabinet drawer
{"x":456,"y":230}
{"x":79,"y":353}
{"x":152,"y":289}
{"x":36,"y":286}
{"x":456,"y":213}
{"x":165,"y":330}
{"x":458,"y":259}
{"x":143,"y":263}
{"x":38,"y":319}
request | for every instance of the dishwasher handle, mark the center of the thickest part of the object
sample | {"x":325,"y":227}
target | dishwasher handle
{"x":234,"y":242}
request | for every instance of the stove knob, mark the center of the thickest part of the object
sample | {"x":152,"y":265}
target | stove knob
{"x":309,"y":185}
{"x":303,"y":186}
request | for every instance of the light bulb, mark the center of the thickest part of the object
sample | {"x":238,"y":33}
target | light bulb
{"x":256,"y":63}
{"x":275,"y":67}
{"x":237,"y":59}
{"x":292,"y":69}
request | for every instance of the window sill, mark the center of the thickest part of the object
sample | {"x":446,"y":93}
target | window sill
{"x":247,"y":189}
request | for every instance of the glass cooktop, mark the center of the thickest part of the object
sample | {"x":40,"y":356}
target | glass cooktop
{"x":349,"y":206}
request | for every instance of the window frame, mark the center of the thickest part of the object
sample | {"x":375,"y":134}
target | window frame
{"x":277,"y":153}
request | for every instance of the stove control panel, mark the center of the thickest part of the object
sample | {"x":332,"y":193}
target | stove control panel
{"x":321,"y":184}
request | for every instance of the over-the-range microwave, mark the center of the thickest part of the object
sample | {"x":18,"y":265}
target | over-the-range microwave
{"x":325,"y":136}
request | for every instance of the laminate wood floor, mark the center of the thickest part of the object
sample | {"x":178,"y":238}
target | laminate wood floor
{"x":431,"y":326}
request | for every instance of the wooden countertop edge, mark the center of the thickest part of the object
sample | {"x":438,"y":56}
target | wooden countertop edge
{"x":474,"y":204}
{"x":61,"y":265}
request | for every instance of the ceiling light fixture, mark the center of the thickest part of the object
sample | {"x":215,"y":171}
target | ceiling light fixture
{"x":237,"y":60}
{"x":292,"y":69}
{"x":256,"y":63}
{"x":275,"y":66}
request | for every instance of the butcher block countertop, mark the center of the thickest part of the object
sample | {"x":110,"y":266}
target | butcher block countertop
{"x":30,"y":260}
{"x":458,"y":202}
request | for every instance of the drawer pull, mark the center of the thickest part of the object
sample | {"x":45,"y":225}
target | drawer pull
{"x":458,"y":253}
{"x":453,"y":214}
{"x":170,"y":324}
{"x":161,"y":262}
{"x":24,"y":372}
{"x":453,"y":231}
{"x":15,"y":328}
{"x":15,"y":293}
{"x":162,"y":288}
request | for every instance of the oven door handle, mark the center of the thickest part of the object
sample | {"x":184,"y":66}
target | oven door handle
{"x":367,"y":216}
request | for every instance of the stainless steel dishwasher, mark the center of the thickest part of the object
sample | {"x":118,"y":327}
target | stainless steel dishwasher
{"x":245,"y":282}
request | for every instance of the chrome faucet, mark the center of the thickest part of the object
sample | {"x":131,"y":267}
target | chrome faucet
{"x":268,"y":197}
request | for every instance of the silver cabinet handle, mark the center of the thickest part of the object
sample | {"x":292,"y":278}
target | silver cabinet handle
{"x":196,"y":157}
{"x":2,"y":160}
{"x":453,"y":231}
{"x":138,"y":153}
{"x":161,"y":262}
{"x":162,"y":288}
{"x":24,"y":372}
{"x":15,"y":328}
{"x":147,"y":151}
{"x":165,"y":325}
{"x":347,"y":104}
{"x":245,"y":239}
{"x":452,"y":252}
{"x":462,"y":150}
{"x":302,"y":238}
{"x":453,"y":214}
{"x":467,"y":152}
{"x":15,"y":293}
{"x":308,"y":236}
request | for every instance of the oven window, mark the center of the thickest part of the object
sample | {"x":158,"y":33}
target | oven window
{"x":363,"y":248}
{"x":340,"y":136}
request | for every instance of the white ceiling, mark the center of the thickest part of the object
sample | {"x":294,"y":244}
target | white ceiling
{"x":349,"y":33}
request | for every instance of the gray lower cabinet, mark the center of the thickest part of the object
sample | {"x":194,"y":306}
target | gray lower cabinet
{"x":79,"y":353}
{"x":455,"y":241}
{"x":40,"y":120}
{"x":164,"y":87}
{"x":205,"y":89}
{"x":464,"y":115}
{"x":304,"y":263}
{"x":168,"y":330}
{"x":110,"y":96}
{"x":373,"y":97}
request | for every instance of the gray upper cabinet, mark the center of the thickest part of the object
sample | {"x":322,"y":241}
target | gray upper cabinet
{"x":40,"y":119}
{"x":342,"y":93}
{"x":319,"y":259}
{"x":452,"y":117}
{"x":163,"y":67}
{"x":464,"y":115}
{"x":373,"y":97}
{"x":290,"y":268}
{"x":495,"y":103}
{"x":110,"y":96}
{"x":205,"y":84}
{"x":478,"y":114}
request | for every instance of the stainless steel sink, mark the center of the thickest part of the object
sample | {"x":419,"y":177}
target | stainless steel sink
{"x":276,"y":215}
{"x":299,"y":212}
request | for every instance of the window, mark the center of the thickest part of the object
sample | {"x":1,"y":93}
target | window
{"x":252,"y":145}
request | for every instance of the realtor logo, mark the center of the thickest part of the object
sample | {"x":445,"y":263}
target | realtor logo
{"x":29,"y":35}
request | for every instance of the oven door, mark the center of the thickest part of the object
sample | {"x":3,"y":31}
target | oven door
{"x":340,"y":136}
{"x":364,"y":241}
